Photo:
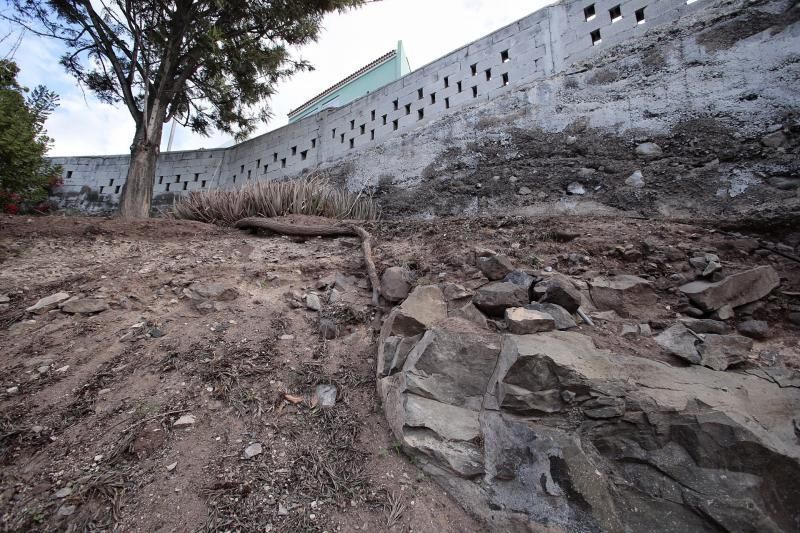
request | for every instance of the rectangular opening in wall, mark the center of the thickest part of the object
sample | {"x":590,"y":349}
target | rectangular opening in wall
{"x":234,"y":178}
{"x":395,"y":124}
{"x":505,"y":79}
{"x":116,"y":189}
{"x":459,"y":87}
{"x":352,"y":143}
{"x":341,"y":138}
{"x":420,"y":94}
{"x":178,"y":178}
{"x":475,"y":91}
{"x":248,"y":173}
{"x":408,"y":109}
{"x":103,"y":187}
{"x":433,"y":98}
{"x":185,"y":185}
{"x":372,"y":115}
{"x":615,"y":13}
{"x":275,"y":157}
{"x":420,"y":114}
{"x":313,"y":143}
{"x":596,"y":39}
{"x":333,"y":133}
{"x":589,"y":12}
{"x":166,"y":188}
{"x":241,"y":169}
{"x":294,"y":150}
{"x":160,"y":180}
{"x":266,"y":168}
{"x":352,"y":124}
{"x":283,"y":163}
{"x":110,"y":183}
{"x":446,"y":82}
{"x":371,"y":135}
{"x":69,"y":174}
{"x":488,"y":74}
{"x":196,"y":176}
{"x":258,"y":165}
{"x":384,"y":118}
{"x":504,"y":56}
{"x":363,"y":129}
{"x":304,"y":155}
{"x":203,"y":184}
{"x":396,"y":104}
{"x":474,"y":69}
{"x":447,"y":103}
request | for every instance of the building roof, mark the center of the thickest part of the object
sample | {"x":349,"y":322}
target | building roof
{"x":333,"y":88}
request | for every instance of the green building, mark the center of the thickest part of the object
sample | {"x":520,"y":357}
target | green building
{"x":376,"y":74}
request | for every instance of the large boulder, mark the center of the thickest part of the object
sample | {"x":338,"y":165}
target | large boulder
{"x":734,"y":291}
{"x":394,"y":284}
{"x":560,"y":290}
{"x":629,"y":296}
{"x":494,"y":298}
{"x":547,"y":432}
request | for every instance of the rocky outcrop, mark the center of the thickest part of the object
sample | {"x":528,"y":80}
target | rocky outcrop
{"x":547,"y":432}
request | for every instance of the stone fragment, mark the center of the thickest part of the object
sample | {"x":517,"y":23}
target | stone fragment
{"x":326,"y":395}
{"x":495,"y":267}
{"x":722,"y":351}
{"x":576,"y":189}
{"x":85,"y":306}
{"x":735,"y":290}
{"x":774,"y":140}
{"x":454,"y":291}
{"x":649,"y":150}
{"x":725,"y":312}
{"x":393,"y":350}
{"x":522,"y":321}
{"x":253,"y":450}
{"x":755,"y":329}
{"x":494,"y":298}
{"x":4,"y":299}
{"x":184,"y":421}
{"x":629,"y":296}
{"x":12,"y":390}
{"x":394,"y":284}
{"x":172,"y":466}
{"x":559,"y":290}
{"x":523,"y":279}
{"x":423,"y":308}
{"x":212,"y":291}
{"x":699,"y":325}
{"x":645,"y":330}
{"x":629,"y":331}
{"x":604,"y":407}
{"x":48,"y":303}
{"x":635,"y":180}
{"x":312,"y":302}
{"x":524,"y":191}
{"x":563,"y":319}
{"x":679,"y":341}
{"x":473,"y":314}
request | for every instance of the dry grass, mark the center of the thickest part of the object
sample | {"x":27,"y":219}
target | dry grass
{"x":312,"y":195}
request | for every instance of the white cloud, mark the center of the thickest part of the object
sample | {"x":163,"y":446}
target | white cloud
{"x":429,"y":29}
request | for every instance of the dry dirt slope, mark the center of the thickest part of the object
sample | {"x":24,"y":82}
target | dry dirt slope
{"x":89,"y":403}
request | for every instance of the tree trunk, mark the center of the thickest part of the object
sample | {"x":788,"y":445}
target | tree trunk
{"x":137,"y":193}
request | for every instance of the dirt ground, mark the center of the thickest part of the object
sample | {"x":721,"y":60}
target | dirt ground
{"x":88,"y":403}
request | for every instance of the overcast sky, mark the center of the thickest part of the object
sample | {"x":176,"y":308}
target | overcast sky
{"x":429,"y":29}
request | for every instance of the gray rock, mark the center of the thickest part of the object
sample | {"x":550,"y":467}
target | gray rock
{"x":253,"y":450}
{"x":326,"y":395}
{"x":473,"y":314}
{"x":62,"y":493}
{"x":454,"y":291}
{"x":522,"y":321}
{"x":735,"y":290}
{"x":635,"y":180}
{"x":393,"y":351}
{"x":629,"y":331}
{"x":725,"y":312}
{"x":649,"y":151}
{"x":4,"y":299}
{"x":524,"y":191}
{"x":312,"y":302}
{"x":495,"y":267}
{"x":774,"y":140}
{"x":755,"y":329}
{"x":563,"y":319}
{"x":576,"y":189}
{"x":523,"y":279}
{"x":184,"y":421}
{"x":394,"y":284}
{"x":48,"y":303}
{"x":212,"y":291}
{"x":559,"y":290}
{"x":423,"y":308}
{"x":699,"y":325}
{"x":85,"y":306}
{"x":494,"y":298}
{"x":679,"y":341}
{"x":627,"y":295}
{"x":722,"y":351}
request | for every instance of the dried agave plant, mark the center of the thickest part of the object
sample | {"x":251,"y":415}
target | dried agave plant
{"x":312,"y":195}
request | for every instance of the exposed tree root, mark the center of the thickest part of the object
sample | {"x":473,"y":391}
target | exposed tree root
{"x":335,"y":230}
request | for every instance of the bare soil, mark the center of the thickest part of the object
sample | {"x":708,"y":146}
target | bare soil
{"x":88,"y":403}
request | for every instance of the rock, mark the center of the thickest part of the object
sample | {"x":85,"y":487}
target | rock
{"x":393,"y":350}
{"x":649,"y":151}
{"x":495,"y":267}
{"x":722,"y":351}
{"x":473,"y":314}
{"x":326,"y":395}
{"x":784,"y":183}
{"x":394,"y":284}
{"x":282,"y":510}
{"x":706,"y":326}
{"x":626,"y":294}
{"x":536,"y":432}
{"x":454,"y":291}
{"x":735,"y":290}
{"x":562,"y":318}
{"x":48,"y":303}
{"x":774,"y":140}
{"x":629,"y":331}
{"x":559,"y":290}
{"x":12,"y":390}
{"x":66,"y":510}
{"x":645,"y":330}
{"x":522,"y":321}
{"x":253,"y":450}
{"x":328,"y":329}
{"x":85,"y":306}
{"x":725,"y":312}
{"x":755,"y":329}
{"x":4,"y":299}
{"x":524,"y":191}
{"x":172,"y":466}
{"x":576,"y":189}
{"x":184,"y":421}
{"x":212,"y":291}
{"x":494,"y":298}
{"x":571,"y":139}
{"x":679,"y":341}
{"x":423,"y":307}
{"x":523,"y":279}
{"x":635,"y":180}
{"x":794,"y":318}
{"x":312,"y":302}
